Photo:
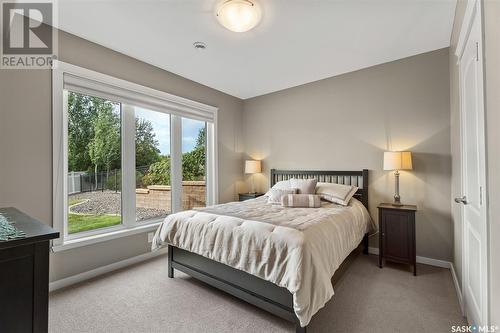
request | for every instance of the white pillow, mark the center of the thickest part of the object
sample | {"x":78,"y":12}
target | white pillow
{"x":336,"y":193}
{"x":304,"y":186}
{"x":283,"y":185}
{"x":275,"y":194}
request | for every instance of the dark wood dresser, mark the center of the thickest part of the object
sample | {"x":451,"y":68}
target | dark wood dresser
{"x":24,"y":275}
{"x":397,"y":234}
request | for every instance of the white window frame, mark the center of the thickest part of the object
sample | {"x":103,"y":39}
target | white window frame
{"x":128,"y":94}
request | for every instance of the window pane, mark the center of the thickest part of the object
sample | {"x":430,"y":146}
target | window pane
{"x":94,"y":162}
{"x":152,"y":160}
{"x":194,"y":142}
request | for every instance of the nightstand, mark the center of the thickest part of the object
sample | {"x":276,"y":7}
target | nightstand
{"x":397,"y":234}
{"x":247,"y":196}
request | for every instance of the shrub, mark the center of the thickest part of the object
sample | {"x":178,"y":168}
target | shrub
{"x":158,"y":173}
{"x":116,"y":184}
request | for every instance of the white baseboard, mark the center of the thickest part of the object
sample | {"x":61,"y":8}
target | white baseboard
{"x":458,"y":289}
{"x":103,"y":270}
{"x":420,"y":260}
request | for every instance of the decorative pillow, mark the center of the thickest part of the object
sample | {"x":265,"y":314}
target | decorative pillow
{"x":336,"y":193}
{"x":301,"y":200}
{"x":274,"y":195}
{"x":304,"y":186}
{"x":281,"y":185}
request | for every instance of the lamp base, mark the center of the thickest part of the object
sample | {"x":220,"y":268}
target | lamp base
{"x":397,"y":198}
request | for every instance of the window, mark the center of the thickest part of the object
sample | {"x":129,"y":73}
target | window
{"x":125,"y":156}
{"x":194,"y":133}
{"x":94,"y":160}
{"x":152,"y":163}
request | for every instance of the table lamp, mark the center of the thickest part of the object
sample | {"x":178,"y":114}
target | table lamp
{"x":397,"y":160}
{"x":251,"y":167}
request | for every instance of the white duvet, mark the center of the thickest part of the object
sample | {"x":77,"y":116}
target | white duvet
{"x":295,"y":248}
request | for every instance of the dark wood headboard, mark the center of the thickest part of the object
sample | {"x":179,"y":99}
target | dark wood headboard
{"x":356,"y":178}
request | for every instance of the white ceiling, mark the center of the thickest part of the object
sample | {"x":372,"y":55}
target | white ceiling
{"x":298,"y":41}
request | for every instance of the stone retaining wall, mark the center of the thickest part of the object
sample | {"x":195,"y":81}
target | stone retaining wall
{"x":160,"y":196}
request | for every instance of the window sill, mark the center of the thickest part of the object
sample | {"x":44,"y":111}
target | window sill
{"x":102,"y":237}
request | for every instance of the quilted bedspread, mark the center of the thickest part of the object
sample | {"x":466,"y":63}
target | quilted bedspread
{"x":296,"y":248}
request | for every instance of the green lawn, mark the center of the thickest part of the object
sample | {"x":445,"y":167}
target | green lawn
{"x":83,"y":222}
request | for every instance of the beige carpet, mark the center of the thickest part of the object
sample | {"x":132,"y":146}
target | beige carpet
{"x":142,"y":299}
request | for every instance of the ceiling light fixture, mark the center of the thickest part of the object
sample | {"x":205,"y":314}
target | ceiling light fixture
{"x":238,"y":15}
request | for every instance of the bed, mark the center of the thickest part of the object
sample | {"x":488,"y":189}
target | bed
{"x":281,"y":260}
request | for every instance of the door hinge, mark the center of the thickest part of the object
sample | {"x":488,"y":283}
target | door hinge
{"x":477,"y":51}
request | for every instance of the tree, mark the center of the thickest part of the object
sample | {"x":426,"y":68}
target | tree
{"x":94,"y":142}
{"x":201,"y":140}
{"x":194,"y":161}
{"x":82,"y":113}
{"x":193,"y":165}
{"x":146,"y":145}
{"x":104,"y":148}
{"x":158,"y":173}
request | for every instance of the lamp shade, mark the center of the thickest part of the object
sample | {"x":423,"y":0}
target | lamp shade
{"x":397,"y":160}
{"x":252,"y":166}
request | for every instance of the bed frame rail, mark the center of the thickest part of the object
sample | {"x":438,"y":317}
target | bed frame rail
{"x":277,"y":300}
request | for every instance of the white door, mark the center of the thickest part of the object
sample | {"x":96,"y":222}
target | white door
{"x":474,"y":222}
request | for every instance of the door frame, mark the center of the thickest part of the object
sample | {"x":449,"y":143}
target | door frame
{"x":473,"y":11}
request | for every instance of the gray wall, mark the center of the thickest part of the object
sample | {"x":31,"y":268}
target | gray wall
{"x":26,"y":148}
{"x":347,"y":122}
{"x":492,"y":70}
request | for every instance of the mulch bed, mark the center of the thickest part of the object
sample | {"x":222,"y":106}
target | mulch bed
{"x":109,"y":203}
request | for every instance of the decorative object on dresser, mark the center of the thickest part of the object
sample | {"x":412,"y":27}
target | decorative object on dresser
{"x":252,"y":167}
{"x":247,"y":196}
{"x":8,"y":230}
{"x":24,"y":277}
{"x":397,"y":234}
{"x":397,"y":160}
